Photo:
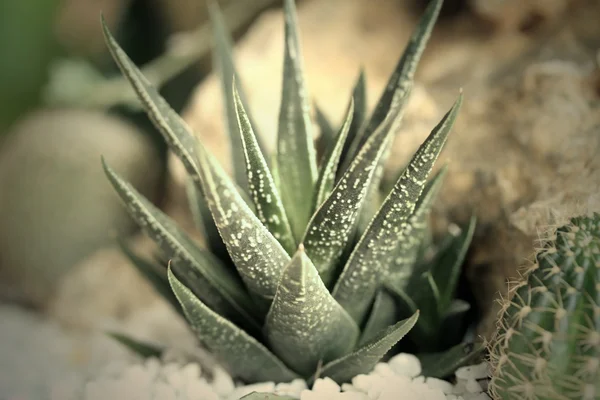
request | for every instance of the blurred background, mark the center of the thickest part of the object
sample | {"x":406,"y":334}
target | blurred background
{"x":523,"y":154}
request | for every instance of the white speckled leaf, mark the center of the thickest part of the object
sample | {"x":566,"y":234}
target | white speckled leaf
{"x":326,"y":179}
{"x":384,"y":313}
{"x":203,"y":273}
{"x":405,"y":255}
{"x":333,"y":225}
{"x":305,"y":325}
{"x":224,"y":65}
{"x":404,"y":72}
{"x":261,"y":187}
{"x":364,"y":359}
{"x":258,"y":256}
{"x":243,"y":355}
{"x":368,"y":262}
{"x":296,"y":158}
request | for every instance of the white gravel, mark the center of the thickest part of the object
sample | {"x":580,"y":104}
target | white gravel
{"x":40,"y":361}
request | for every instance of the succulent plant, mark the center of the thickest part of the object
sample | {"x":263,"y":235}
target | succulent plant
{"x":548,"y":339}
{"x":293,"y":282}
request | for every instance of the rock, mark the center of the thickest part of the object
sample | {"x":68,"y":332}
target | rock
{"x":522,"y":15}
{"x":56,"y":205}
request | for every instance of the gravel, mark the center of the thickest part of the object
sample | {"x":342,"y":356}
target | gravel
{"x":41,"y":361}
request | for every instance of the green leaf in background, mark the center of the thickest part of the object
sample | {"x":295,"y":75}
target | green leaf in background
{"x":261,"y":186}
{"x":327,"y":133}
{"x":243,"y":355}
{"x":142,"y":349}
{"x":443,"y":364}
{"x":224,"y":65}
{"x":384,"y":313}
{"x":155,"y":274}
{"x":296,"y":158}
{"x":367,"y":264}
{"x":331,"y":160}
{"x":305,"y":324}
{"x":364,"y":359}
{"x":266,"y":396}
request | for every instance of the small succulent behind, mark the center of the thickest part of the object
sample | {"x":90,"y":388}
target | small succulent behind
{"x":548,"y":342}
{"x":306,"y":272}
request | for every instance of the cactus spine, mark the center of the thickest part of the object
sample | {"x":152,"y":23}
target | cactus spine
{"x":547,"y":345}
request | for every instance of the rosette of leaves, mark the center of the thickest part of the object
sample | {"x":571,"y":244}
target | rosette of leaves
{"x":293,"y":280}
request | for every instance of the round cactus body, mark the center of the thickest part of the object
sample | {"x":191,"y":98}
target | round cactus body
{"x":548,"y":342}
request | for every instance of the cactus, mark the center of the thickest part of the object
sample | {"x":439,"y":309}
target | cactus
{"x":547,"y":345}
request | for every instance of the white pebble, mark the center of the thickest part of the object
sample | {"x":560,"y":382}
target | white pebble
{"x":406,"y":364}
{"x":473,"y":387}
{"x":222,"y":382}
{"x":439,"y":384}
{"x":325,"y":385}
{"x":293,"y":388}
{"x":479,"y":371}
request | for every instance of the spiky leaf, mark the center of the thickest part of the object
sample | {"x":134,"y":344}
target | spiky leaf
{"x":404,"y":72}
{"x":243,"y":355}
{"x":296,"y":158}
{"x":333,"y":225}
{"x":384,"y":313}
{"x":305,"y":325}
{"x":261,"y":186}
{"x":362,"y":274}
{"x":331,"y":160}
{"x":405,"y":255}
{"x":225,"y":66}
{"x":203,"y":273}
{"x":363,"y":360}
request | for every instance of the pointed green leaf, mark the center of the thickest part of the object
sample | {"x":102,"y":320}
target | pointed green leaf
{"x":384,"y":313}
{"x":155,"y":274}
{"x":296,"y":158}
{"x":331,"y":160}
{"x":333,"y":225}
{"x":223,"y":60}
{"x":326,"y":138}
{"x":444,"y":364}
{"x":266,"y":396}
{"x":203,"y":273}
{"x":364,"y":270}
{"x":366,"y":357}
{"x":407,"y":250}
{"x":448,"y":267}
{"x":142,"y":349}
{"x":258,"y":256}
{"x":305,"y":325}
{"x":403,"y":75}
{"x":359,"y":96}
{"x":269,"y":208}
{"x":243,"y":355}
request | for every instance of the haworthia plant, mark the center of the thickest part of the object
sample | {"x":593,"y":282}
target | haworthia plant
{"x":291,"y":283}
